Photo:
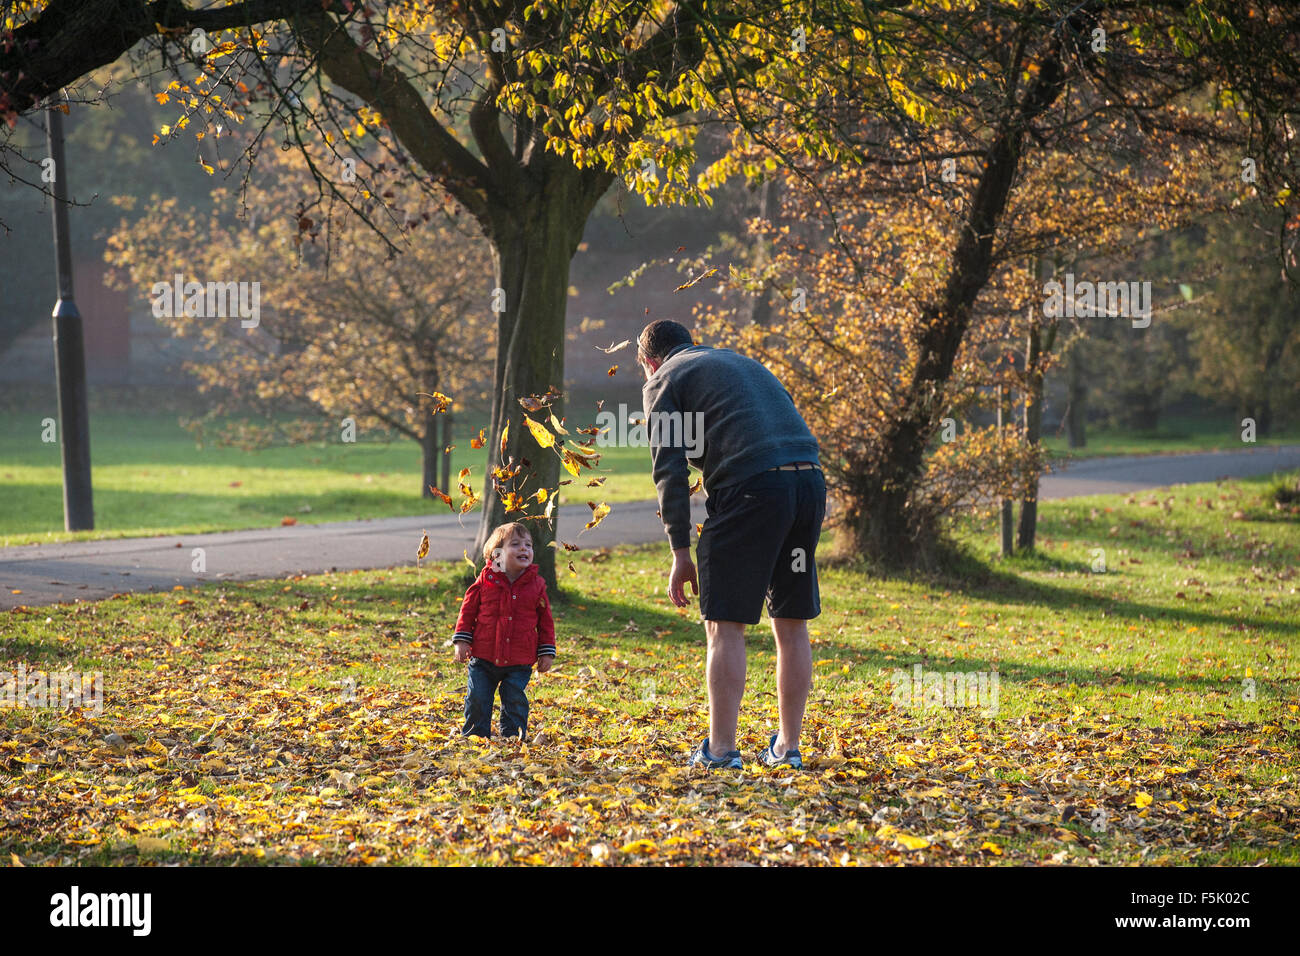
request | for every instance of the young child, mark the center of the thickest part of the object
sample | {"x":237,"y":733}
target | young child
{"x":504,"y":627}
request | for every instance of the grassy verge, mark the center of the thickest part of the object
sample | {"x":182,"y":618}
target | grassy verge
{"x":150,"y":479}
{"x":1174,"y":436}
{"x":1146,"y":713}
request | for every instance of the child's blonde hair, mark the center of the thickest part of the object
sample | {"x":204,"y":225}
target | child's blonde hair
{"x":503,"y":534}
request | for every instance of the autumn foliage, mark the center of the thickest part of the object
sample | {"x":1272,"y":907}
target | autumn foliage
{"x":350,"y":328}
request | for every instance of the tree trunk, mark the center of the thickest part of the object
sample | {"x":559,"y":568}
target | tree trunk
{"x":757,"y":309}
{"x":533,"y":246}
{"x":444,"y":455}
{"x":889,"y":525}
{"x":1004,"y":511}
{"x":1040,"y":344}
{"x":1077,"y":416}
{"x":1263,"y":417}
{"x":429,"y":454}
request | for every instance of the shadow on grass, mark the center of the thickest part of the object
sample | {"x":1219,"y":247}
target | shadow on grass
{"x":967,"y":575}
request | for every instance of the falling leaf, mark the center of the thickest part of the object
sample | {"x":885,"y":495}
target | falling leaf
{"x":423,"y":549}
{"x":558,"y":426}
{"x":442,"y":401}
{"x":535,"y":403}
{"x":286,"y":522}
{"x":612,"y":370}
{"x":614,"y":348}
{"x":505,"y":432}
{"x":445,"y":498}
{"x":539,"y":432}
{"x":598,"y":513}
{"x":478,"y":442}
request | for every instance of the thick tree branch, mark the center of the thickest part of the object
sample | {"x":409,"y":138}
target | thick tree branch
{"x":386,"y":89}
{"x":71,"y":38}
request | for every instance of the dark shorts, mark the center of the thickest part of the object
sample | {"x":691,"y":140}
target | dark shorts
{"x":760,"y":541}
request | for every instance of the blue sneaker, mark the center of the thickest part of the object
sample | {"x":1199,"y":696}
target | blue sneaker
{"x":702,"y":757}
{"x":790,"y":758}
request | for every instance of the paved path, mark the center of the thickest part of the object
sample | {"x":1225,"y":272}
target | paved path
{"x":1109,"y":476}
{"x":89,"y":570}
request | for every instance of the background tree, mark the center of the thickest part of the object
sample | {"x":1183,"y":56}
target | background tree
{"x":348,"y":329}
{"x":1012,"y":139}
{"x":524,"y":113}
{"x":559,"y":98}
{"x":1244,"y":322}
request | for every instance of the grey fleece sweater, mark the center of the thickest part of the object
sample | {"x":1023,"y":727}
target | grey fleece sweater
{"x":748,"y":420}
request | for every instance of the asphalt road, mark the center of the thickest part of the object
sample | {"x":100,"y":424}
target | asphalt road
{"x":90,"y":570}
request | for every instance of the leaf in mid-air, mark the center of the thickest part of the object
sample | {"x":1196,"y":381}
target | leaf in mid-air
{"x":598,"y":512}
{"x":445,"y":497}
{"x":543,"y":437}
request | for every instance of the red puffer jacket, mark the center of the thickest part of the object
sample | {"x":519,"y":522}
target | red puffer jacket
{"x":507,"y":624}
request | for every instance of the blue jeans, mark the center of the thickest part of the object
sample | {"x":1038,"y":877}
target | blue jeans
{"x":484,"y":678}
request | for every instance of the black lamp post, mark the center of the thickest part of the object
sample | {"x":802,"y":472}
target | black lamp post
{"x":69,"y":353}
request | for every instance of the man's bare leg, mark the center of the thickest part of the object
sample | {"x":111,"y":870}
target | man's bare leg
{"x":726,"y":681}
{"x":793,"y":679}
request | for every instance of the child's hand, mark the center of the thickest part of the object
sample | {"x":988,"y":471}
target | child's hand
{"x":462,"y":652}
{"x":544,"y":663}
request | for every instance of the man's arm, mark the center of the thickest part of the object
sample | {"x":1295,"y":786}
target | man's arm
{"x":671,"y":473}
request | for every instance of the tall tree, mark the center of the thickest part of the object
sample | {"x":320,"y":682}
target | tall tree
{"x":524,"y":113}
{"x":1019,"y":131}
{"x":348,"y":329}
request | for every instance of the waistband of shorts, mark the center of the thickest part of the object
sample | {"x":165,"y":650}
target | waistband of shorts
{"x":798,"y":466}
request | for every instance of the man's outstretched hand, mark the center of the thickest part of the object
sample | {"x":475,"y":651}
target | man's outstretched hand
{"x":682,"y":572}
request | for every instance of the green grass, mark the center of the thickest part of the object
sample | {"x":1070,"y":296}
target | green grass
{"x":150,"y":478}
{"x":1121,"y":693}
{"x":1173,"y":436}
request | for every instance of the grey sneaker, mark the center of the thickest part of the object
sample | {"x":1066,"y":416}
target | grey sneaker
{"x":702,"y":757}
{"x":790,"y":758}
